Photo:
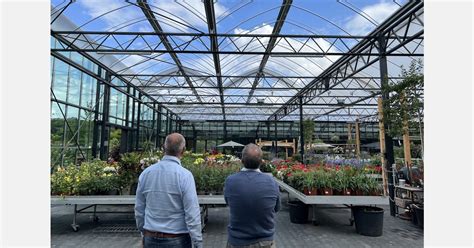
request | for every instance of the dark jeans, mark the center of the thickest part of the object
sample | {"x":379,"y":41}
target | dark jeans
{"x":178,"y":242}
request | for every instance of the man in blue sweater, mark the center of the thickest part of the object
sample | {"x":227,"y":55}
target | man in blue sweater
{"x":253,"y":198}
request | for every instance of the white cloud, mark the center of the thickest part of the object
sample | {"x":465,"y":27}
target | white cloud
{"x":193,"y":14}
{"x":95,"y":8}
{"x":358,"y":25}
{"x":169,"y":8}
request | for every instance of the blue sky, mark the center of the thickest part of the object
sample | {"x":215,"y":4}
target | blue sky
{"x":258,"y":16}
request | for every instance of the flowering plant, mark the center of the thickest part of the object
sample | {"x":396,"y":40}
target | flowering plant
{"x":96,"y":177}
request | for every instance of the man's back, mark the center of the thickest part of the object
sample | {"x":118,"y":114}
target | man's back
{"x":253,"y":198}
{"x":162,"y":190}
{"x":166,"y":200}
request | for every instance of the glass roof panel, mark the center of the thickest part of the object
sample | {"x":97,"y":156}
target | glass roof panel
{"x":306,"y":42}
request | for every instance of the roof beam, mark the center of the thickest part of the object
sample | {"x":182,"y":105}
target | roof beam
{"x":344,"y":67}
{"x":212,"y":26}
{"x":285,"y":7}
{"x":156,"y":26}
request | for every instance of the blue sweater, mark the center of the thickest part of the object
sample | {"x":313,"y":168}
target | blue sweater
{"x":253,"y":198}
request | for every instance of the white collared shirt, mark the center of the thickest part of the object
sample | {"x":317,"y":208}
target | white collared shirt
{"x":246,"y":169}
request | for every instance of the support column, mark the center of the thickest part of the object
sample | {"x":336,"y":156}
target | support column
{"x":127,"y":123}
{"x":137,"y":141}
{"x":170,"y":123}
{"x":301,"y":130}
{"x":406,"y":140}
{"x":406,"y":137}
{"x":95,"y":134}
{"x":158,"y":127}
{"x":276,"y":139}
{"x":357,"y":138}
{"x":388,"y":139}
{"x":133,"y":131}
{"x":225,"y":131}
{"x":105,"y":119}
{"x":194,"y":139}
{"x":382,"y":145}
{"x":349,"y":133}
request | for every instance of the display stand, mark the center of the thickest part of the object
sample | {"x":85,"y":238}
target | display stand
{"x":317,"y":200}
{"x":92,"y":201}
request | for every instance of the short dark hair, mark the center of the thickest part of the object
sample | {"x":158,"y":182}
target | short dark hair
{"x":251,"y":156}
{"x":174,"y":144}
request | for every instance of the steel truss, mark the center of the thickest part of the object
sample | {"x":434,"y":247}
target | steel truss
{"x":352,"y":63}
{"x":341,"y":89}
{"x":110,"y":42}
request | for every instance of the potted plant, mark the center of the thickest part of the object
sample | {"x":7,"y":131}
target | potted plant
{"x":338,"y":182}
{"x":309,"y":183}
{"x":326,"y":181}
{"x":296,"y":180}
{"x":358,"y":184}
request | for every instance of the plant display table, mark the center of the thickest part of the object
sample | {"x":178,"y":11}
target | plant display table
{"x":91,"y":201}
{"x":347,"y":201}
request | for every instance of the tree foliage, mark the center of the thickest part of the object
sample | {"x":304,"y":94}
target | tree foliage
{"x":405,"y":99}
{"x":308,"y":130}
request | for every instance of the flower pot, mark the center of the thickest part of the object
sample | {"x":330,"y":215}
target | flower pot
{"x":133,"y":188}
{"x":414,"y":220}
{"x":326,"y":191}
{"x":368,"y":220}
{"x":298,"y":212}
{"x":305,"y":191}
{"x":347,"y":192}
{"x":310,"y":191}
{"x":419,"y":213}
{"x":358,"y":192}
{"x":337,"y":192}
{"x":211,"y":192}
{"x":113,"y":192}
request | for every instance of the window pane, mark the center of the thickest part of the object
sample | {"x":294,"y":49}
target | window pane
{"x":72,"y":118}
{"x":57,"y":124}
{"x":76,"y":57}
{"x":60,"y":75}
{"x":88,"y":91}
{"x":74,"y":86}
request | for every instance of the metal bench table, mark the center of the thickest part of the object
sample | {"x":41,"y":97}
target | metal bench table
{"x":91,"y":201}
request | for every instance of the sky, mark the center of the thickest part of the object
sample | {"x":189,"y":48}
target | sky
{"x":343,"y":17}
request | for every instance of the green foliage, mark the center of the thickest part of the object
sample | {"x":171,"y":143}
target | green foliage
{"x":297,"y":180}
{"x":308,"y":130}
{"x":297,"y":157}
{"x":96,"y":177}
{"x":211,"y":177}
{"x":410,"y":89}
{"x":130,"y":167}
{"x":267,"y":167}
{"x":114,"y":144}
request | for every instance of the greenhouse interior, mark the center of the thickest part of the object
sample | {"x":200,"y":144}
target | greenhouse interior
{"x":330,"y":91}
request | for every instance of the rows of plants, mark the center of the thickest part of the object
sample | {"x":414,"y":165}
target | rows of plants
{"x":121,"y":176}
{"x":329,"y":180}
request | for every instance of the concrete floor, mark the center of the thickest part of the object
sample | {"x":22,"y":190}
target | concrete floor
{"x":118,"y":230}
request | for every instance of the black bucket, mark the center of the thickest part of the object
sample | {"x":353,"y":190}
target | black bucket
{"x":419,"y":212}
{"x":368,"y":220}
{"x":298,"y":212}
